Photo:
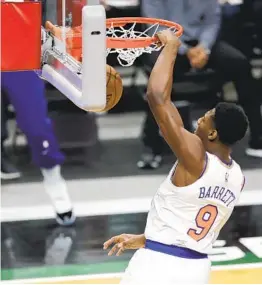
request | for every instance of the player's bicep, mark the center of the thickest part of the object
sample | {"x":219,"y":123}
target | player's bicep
{"x":187,"y":146}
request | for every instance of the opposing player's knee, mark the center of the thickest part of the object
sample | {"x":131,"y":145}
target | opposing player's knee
{"x":35,"y":128}
{"x":43,"y":144}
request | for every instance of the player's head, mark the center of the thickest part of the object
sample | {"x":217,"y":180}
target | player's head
{"x":226,"y":123}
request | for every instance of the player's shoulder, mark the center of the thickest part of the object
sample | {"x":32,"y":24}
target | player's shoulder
{"x":236,"y":167}
{"x":217,"y":163}
{"x":237,"y":176}
{"x":231,"y":173}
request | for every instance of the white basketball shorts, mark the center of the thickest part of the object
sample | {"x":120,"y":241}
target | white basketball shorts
{"x":152,"y":267}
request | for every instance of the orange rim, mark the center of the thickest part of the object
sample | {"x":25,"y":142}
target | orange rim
{"x":138,"y":42}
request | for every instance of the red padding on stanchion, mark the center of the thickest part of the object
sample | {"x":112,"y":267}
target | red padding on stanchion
{"x":20,"y":36}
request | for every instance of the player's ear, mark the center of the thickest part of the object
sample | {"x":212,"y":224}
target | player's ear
{"x":212,"y":135}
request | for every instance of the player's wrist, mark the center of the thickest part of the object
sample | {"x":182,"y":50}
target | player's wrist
{"x":171,"y":49}
{"x":174,"y":45}
{"x":142,"y":240}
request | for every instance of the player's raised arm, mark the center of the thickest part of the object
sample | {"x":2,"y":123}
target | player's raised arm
{"x":187,"y":146}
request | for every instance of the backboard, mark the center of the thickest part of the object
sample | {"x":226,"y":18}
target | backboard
{"x":80,"y":77}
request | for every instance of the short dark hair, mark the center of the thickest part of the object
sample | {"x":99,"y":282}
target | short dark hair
{"x":231,"y":122}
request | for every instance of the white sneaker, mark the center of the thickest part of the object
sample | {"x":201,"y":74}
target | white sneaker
{"x":56,"y":189}
{"x":66,"y":219}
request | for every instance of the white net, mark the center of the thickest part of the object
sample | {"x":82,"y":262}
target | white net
{"x":127,"y":56}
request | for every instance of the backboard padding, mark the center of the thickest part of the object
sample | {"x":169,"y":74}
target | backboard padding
{"x":20,"y":36}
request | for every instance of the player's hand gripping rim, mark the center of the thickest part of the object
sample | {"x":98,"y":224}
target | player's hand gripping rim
{"x":168,"y":37}
{"x":124,"y":241}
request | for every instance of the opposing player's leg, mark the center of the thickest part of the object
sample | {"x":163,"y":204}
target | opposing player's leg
{"x":26,"y":93}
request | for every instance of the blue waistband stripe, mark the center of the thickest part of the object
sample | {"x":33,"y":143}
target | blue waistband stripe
{"x":174,"y":250}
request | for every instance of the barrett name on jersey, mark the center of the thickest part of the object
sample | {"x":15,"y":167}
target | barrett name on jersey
{"x":217,"y":192}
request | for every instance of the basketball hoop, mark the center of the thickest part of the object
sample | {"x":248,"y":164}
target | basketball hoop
{"x":124,"y":38}
{"x":74,"y":59}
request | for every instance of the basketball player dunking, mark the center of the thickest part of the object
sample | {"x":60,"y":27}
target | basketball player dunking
{"x":198,"y":196}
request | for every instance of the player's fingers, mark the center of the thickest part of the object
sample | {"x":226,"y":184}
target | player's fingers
{"x":113,"y":250}
{"x":160,"y":38}
{"x":110,"y":241}
{"x":158,"y":41}
{"x":120,"y":251}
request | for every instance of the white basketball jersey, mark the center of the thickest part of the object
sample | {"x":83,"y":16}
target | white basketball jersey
{"x":192,"y":216}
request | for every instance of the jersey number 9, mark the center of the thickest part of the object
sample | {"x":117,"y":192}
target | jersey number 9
{"x":204,"y":221}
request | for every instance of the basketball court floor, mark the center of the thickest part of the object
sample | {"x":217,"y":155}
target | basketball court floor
{"x":112,"y":196}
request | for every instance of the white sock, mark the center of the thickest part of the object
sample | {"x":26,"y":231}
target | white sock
{"x":56,"y":189}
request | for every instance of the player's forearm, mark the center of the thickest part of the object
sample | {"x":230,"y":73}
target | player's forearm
{"x":161,"y":81}
{"x":142,"y":238}
{"x":161,"y":78}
